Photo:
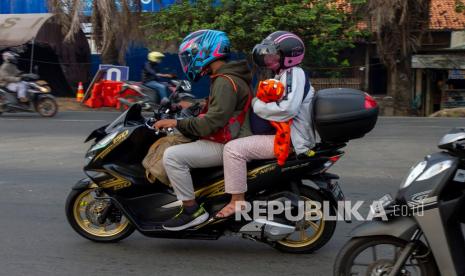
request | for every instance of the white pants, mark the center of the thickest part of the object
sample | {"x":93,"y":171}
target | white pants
{"x":19,"y":87}
{"x":179,"y":159}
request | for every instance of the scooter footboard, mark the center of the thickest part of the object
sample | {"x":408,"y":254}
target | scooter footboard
{"x":400,"y":227}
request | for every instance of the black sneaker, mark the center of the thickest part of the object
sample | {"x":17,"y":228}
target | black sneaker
{"x":184,"y":220}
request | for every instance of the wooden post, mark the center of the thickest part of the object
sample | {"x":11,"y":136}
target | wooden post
{"x":366,"y":84}
{"x":32,"y":55}
{"x":418,"y":90}
{"x":428,"y":101}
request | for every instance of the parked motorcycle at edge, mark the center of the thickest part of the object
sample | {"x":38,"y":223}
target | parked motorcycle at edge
{"x":423,"y":233}
{"x":116,"y":199}
{"x":38,"y":93}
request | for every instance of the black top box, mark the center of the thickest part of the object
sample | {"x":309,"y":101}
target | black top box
{"x":343,"y":114}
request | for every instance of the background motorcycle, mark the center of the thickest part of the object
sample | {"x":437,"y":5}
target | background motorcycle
{"x":148,"y":98}
{"x":38,"y":93}
{"x":423,"y":231}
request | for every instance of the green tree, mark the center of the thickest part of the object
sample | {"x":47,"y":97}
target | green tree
{"x":460,"y":6}
{"x":324,"y":26}
{"x":398,"y":26}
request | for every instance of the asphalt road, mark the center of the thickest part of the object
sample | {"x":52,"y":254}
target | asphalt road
{"x":40,"y":159}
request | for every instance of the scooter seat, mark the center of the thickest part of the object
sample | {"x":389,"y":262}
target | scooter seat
{"x":258,"y":163}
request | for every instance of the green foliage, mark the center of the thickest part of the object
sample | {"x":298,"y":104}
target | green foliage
{"x":459,"y":6}
{"x":325,"y":28}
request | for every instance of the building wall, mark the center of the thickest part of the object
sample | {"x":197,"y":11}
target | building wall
{"x":40,"y":6}
{"x":457,"y":39}
{"x":23,"y":6}
{"x":435,"y":40}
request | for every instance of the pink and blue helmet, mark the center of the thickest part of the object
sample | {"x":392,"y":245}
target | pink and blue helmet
{"x":279,"y":50}
{"x":201,"y":48}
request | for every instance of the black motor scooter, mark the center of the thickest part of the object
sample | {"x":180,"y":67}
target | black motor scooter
{"x":423,"y":231}
{"x":116,"y":198}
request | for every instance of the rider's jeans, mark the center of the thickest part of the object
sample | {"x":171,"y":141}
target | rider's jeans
{"x":237,"y":153}
{"x":179,"y":159}
{"x":19,"y":87}
{"x":160,"y":88}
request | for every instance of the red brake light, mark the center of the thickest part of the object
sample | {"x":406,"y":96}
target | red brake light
{"x":370,"y":102}
{"x":335,"y":158}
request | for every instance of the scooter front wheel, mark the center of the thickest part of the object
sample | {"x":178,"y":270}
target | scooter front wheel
{"x":47,"y":107}
{"x":376,"y":255}
{"x":84,"y":209}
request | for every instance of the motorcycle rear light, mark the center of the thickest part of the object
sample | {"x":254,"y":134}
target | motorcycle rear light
{"x":334,"y":159}
{"x":370,"y":102}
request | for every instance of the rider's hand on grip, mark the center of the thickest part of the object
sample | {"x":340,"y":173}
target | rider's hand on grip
{"x":167,"y":123}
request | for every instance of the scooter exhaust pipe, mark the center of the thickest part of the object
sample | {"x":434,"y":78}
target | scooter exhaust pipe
{"x":262,"y":228}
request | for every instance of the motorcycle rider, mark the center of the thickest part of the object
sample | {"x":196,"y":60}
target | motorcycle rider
{"x":281,"y":52}
{"x":205,"y":52}
{"x":10,"y":76}
{"x":152,"y":77}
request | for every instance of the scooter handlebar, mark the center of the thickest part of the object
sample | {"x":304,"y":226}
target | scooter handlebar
{"x":149,"y":124}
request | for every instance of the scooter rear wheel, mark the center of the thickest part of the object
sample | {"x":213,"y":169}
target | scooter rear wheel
{"x":2,"y":100}
{"x":313,"y":234}
{"x":83,"y":210}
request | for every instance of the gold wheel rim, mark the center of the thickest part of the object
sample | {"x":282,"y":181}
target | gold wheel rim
{"x":100,"y":231}
{"x":304,"y":238}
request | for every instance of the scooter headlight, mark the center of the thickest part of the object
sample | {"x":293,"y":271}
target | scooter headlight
{"x":104,"y":142}
{"x":435,"y":170}
{"x":100,"y":144}
{"x":413,"y":174}
{"x":44,"y":89}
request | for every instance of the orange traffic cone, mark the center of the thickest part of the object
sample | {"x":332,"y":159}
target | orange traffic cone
{"x":80,"y":93}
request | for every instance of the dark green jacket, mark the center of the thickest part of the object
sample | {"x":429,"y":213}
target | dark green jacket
{"x":223,"y":102}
